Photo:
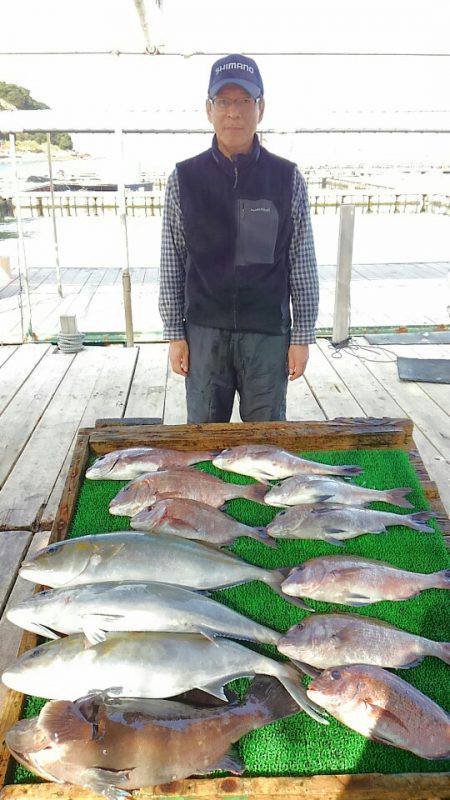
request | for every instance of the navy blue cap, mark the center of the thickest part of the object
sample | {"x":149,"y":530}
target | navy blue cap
{"x":236,"y":69}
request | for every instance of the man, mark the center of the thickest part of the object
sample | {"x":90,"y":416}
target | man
{"x":237,"y":249}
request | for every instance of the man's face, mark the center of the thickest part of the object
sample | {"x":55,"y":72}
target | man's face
{"x":235,"y":116}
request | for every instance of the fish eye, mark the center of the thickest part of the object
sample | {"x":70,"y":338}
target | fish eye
{"x":300,"y":567}
{"x":300,"y":626}
{"x":281,"y":514}
{"x":335,"y":674}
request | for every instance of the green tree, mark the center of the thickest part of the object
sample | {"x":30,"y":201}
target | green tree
{"x":21,"y":99}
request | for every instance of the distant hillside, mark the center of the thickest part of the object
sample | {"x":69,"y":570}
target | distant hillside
{"x":17,"y":97}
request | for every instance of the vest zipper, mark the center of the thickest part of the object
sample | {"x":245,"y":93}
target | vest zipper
{"x":237,"y":239}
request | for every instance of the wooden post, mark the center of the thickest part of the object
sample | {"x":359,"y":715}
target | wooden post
{"x":341,"y":319}
{"x":126,"y":279}
{"x":55,"y":233}
{"x":68,"y":324}
{"x":27,"y":323}
{"x":5,"y":270}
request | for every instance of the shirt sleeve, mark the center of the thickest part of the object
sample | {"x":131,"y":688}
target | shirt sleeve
{"x":304,"y":283}
{"x":173,"y":260}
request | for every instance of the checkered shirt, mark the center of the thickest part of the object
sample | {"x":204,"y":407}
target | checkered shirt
{"x":304,"y":285}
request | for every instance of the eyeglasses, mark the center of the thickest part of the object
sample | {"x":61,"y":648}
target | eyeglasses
{"x":242,"y":104}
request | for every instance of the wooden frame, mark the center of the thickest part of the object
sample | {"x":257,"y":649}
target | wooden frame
{"x":338,"y":434}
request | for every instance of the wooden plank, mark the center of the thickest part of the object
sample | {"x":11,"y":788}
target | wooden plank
{"x":13,"y":545}
{"x":376,"y":401}
{"x":17,"y":368}
{"x":109,"y":396}
{"x":372,"y":786}
{"x":148,"y":390}
{"x":24,"y":493}
{"x":301,"y":403}
{"x":439,"y":392}
{"x":175,"y":412}
{"x":74,"y":479}
{"x":427,"y":415}
{"x":328,"y":388}
{"x":338,"y":434}
{"x":6,"y":351}
{"x":20,"y":418}
{"x":11,"y":635}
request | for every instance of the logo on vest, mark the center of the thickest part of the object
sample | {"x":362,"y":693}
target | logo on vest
{"x":235,"y":65}
{"x":267,"y":210}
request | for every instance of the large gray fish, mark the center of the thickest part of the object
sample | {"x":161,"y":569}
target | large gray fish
{"x":113,"y":746}
{"x":327,"y":640}
{"x":336,"y":523}
{"x":189,"y":483}
{"x":144,"y":665}
{"x":356,"y":581}
{"x":268,"y":462}
{"x":194,"y":520}
{"x":127,"y":606}
{"x":321,"y":489}
{"x":128,"y":556}
{"x":134,"y":461}
{"x":383,"y":707}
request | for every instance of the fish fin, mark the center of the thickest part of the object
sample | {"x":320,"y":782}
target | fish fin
{"x":215,"y":688}
{"x":322,"y":498}
{"x":383,"y":714}
{"x":383,"y":740}
{"x":349,"y":470}
{"x":261,"y":535}
{"x":298,"y":692}
{"x":42,"y":630}
{"x":210,"y":635}
{"x":358,"y":600}
{"x":94,"y":628}
{"x":397,"y":497}
{"x":230,"y":762}
{"x":409,"y":664}
{"x":63,"y":723}
{"x":256,"y":491}
{"x":306,"y":668}
{"x":103,"y":781}
{"x":332,"y":540}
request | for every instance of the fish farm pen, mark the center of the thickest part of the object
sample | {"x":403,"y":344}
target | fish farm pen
{"x":294,"y":757}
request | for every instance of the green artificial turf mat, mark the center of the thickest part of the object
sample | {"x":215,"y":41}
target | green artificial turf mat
{"x":299,"y":745}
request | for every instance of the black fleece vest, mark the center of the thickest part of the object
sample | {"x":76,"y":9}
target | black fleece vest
{"x":237,"y":218}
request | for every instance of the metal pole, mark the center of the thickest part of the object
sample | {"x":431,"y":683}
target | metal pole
{"x":126,"y":280}
{"x":341,"y":318}
{"x":55,"y":235}
{"x":21,"y":255}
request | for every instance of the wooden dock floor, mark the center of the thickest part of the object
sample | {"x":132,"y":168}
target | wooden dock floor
{"x":46,"y":396}
{"x":382,"y":295}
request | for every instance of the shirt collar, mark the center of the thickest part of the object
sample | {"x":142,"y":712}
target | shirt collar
{"x":241,"y":160}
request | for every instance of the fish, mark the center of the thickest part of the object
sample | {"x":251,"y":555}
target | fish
{"x":123,"y":465}
{"x":191,"y":484}
{"x":329,"y":640}
{"x":129,"y":556}
{"x":383,"y":707}
{"x":132,"y":606}
{"x":268,"y":462}
{"x":145,"y":664}
{"x":321,"y":489}
{"x":194,"y":520}
{"x":335,"y":523}
{"x":355,"y":581}
{"x":113,"y":746}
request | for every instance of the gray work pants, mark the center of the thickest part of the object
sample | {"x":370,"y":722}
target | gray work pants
{"x":222,"y":362}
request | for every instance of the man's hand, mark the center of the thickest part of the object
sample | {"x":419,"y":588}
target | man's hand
{"x":297,"y":360}
{"x":179,"y":356}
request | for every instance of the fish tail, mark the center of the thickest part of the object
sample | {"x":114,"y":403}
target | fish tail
{"x":348,"y":470}
{"x":439,"y":580}
{"x":270,"y":696}
{"x":298,"y":693}
{"x":261,"y":535}
{"x":203,"y":455}
{"x":277,"y":576}
{"x":417,"y":521}
{"x":256,"y":492}
{"x":397,"y":497}
{"x":441,"y":650}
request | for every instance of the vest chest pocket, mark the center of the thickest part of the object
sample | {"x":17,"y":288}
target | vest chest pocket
{"x":257,"y":232}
